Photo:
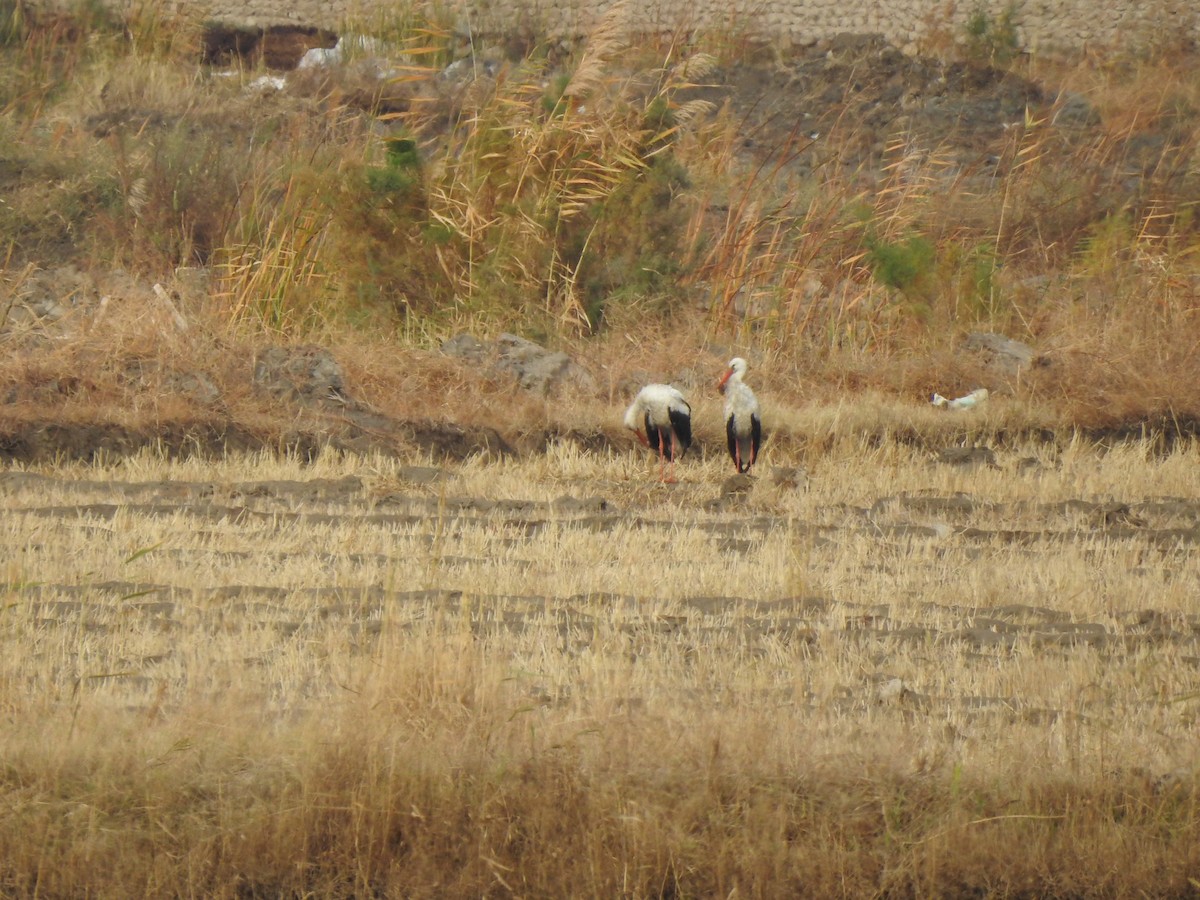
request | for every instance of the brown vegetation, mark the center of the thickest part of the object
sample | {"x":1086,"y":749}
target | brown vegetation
{"x":846,"y":216}
{"x":380,"y":650}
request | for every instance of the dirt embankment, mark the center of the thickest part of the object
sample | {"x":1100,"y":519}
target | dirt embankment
{"x":67,"y":394}
{"x":109,"y":373}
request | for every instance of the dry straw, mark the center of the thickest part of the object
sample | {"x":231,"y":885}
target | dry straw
{"x":337,"y":678}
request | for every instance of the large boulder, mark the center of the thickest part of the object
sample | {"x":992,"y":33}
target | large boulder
{"x":307,"y":375}
{"x":534,"y":367}
{"x":1004,"y":355}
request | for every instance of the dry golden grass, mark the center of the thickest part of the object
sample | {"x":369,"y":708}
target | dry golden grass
{"x":557,"y":677}
{"x":550,"y":675}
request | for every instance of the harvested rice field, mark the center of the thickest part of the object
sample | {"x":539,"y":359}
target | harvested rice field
{"x":875,"y":672}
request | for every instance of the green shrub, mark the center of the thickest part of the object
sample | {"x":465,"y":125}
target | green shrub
{"x":386,"y":245}
{"x":398,"y":180}
{"x":967,"y":275}
{"x":631,"y":244}
{"x":906,"y":265}
{"x":992,"y":40}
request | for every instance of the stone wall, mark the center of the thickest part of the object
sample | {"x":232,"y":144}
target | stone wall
{"x":1042,"y":25}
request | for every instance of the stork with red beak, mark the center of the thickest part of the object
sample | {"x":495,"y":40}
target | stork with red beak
{"x":662,"y":421}
{"x":743,"y":424}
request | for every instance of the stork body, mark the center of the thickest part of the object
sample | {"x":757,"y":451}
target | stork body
{"x":662,"y":420}
{"x":743,"y":421}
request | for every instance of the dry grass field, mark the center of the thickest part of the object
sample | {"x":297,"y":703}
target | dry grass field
{"x":874,"y":672}
{"x":298,"y":603}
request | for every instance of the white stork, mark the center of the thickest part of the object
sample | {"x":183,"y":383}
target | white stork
{"x":743,"y":424}
{"x":662,"y":420}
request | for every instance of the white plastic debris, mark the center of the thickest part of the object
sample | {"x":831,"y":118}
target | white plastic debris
{"x":970,"y":401}
{"x":267,"y":83}
{"x":355,"y":44}
{"x":319,"y":58}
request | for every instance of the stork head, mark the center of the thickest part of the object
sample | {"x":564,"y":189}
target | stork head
{"x":631,"y":417}
{"x":737,"y":366}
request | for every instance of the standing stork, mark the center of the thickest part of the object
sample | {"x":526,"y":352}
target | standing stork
{"x":743,"y":424}
{"x":662,"y":421}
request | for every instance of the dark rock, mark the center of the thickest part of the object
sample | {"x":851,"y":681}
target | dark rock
{"x":464,"y":346}
{"x":1001,"y":353}
{"x":535,"y":368}
{"x":308,"y":375}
